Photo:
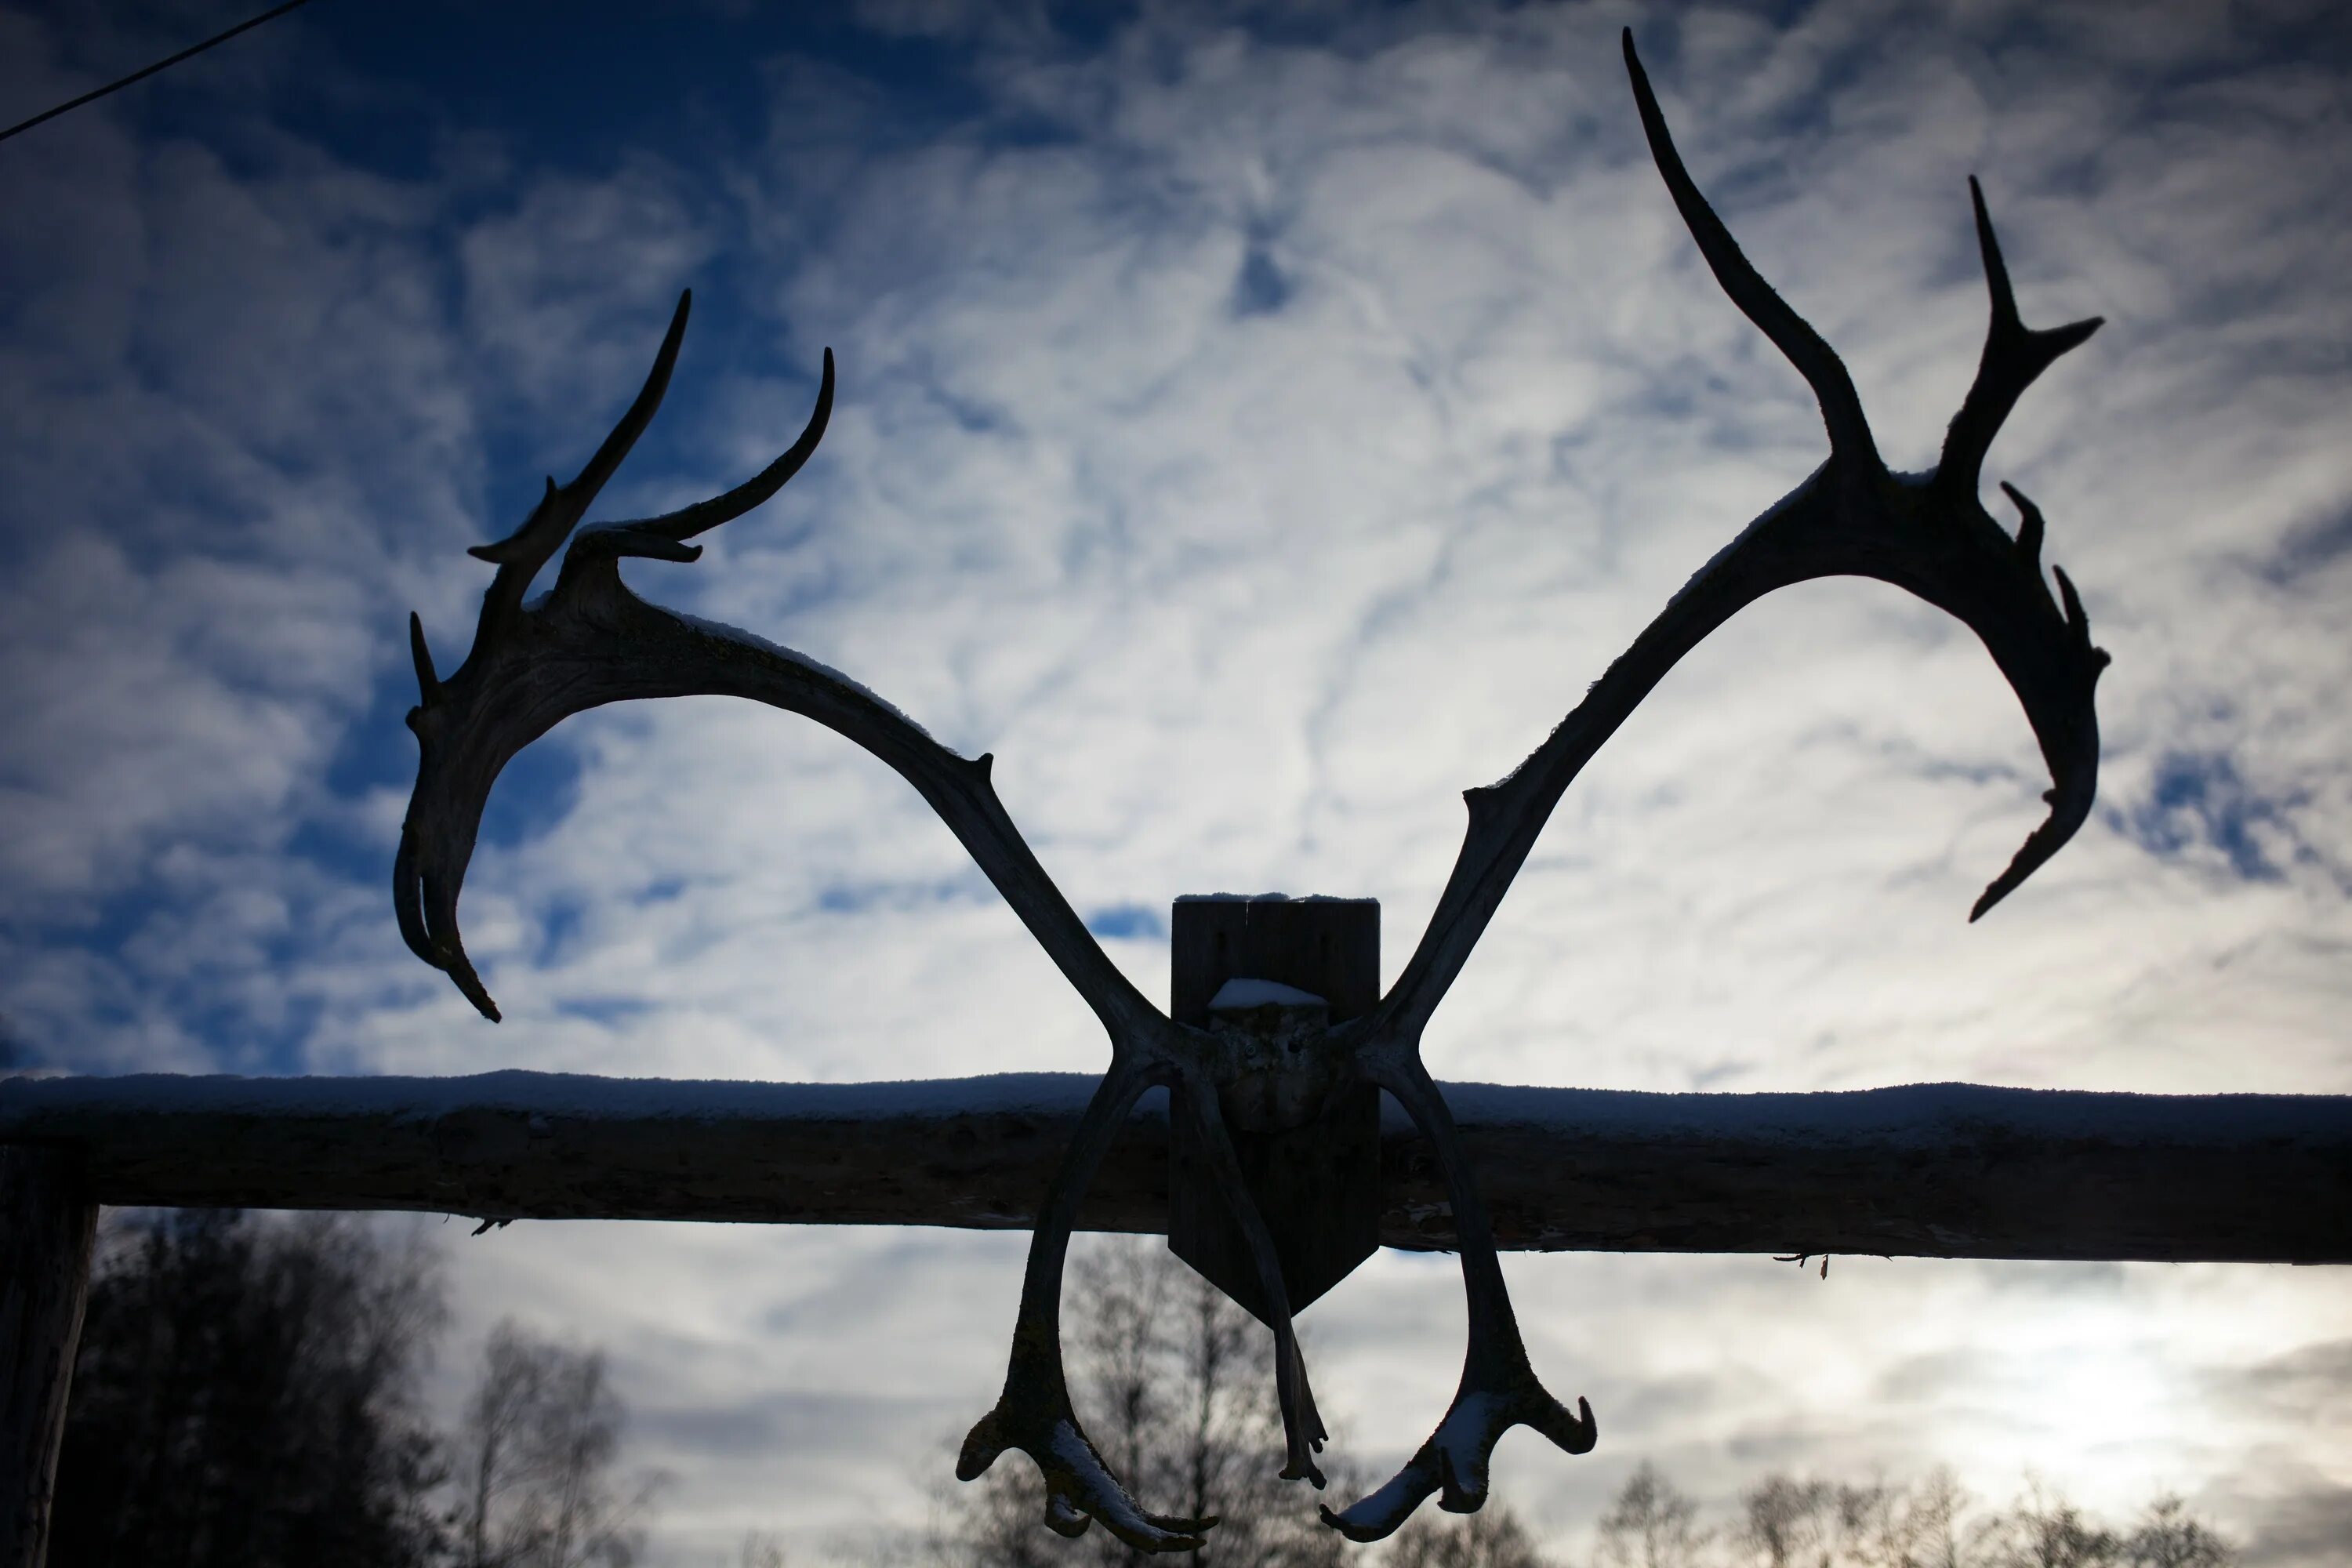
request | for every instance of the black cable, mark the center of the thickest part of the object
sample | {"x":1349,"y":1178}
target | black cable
{"x":150,"y":70}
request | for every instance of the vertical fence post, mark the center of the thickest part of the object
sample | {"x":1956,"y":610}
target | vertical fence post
{"x":1317,"y":1185}
{"x":46,"y":1226}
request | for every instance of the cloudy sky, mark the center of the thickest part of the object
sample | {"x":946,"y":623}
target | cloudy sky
{"x":1255,"y":427}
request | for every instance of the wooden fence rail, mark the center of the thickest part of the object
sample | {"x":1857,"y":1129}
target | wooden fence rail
{"x":1935,"y":1170}
{"x":1938,"y":1170}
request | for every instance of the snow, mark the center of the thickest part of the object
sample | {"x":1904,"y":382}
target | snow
{"x":29,"y":1106}
{"x":1267,"y":899}
{"x":1745,"y":534}
{"x":1467,"y":1436}
{"x":1911,"y":1116}
{"x":1236,"y":995}
{"x":1921,"y":1116}
{"x":726,"y":632}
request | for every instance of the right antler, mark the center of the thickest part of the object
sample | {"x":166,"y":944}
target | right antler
{"x":1851,"y":517}
{"x":1854,"y":517}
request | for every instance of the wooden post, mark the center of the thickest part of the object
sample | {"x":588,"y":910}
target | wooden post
{"x":46,"y":1226}
{"x":1318,"y":1185}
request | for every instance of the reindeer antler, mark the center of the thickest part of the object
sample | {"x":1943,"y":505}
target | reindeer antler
{"x":591,"y":641}
{"x":1851,"y":517}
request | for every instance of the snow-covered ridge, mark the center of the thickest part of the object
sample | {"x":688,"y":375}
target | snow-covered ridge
{"x":1915,"y":1115}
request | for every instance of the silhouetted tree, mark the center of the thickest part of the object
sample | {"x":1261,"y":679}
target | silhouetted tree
{"x":758,"y":1550}
{"x":1491,"y":1537}
{"x":1651,"y":1525}
{"x":245,"y":1395}
{"x":1792,"y":1523}
{"x":1175,"y":1384}
{"x":2167,"y":1537}
{"x":2045,"y":1530}
{"x":537,"y":1452}
{"x":2051,"y":1532}
{"x":1795,"y":1522}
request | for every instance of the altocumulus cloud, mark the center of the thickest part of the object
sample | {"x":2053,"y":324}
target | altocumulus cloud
{"x":1254,"y":430}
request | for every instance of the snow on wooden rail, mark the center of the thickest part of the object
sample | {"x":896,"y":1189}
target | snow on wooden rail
{"x":1938,"y":1170}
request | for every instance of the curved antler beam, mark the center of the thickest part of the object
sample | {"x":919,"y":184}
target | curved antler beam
{"x":1851,"y":517}
{"x":591,"y":641}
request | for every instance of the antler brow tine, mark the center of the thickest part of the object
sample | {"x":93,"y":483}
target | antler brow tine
{"x":520,"y":554}
{"x":1841,"y":412}
{"x":428,"y":685}
{"x":677,"y":527}
{"x":2014,"y":355}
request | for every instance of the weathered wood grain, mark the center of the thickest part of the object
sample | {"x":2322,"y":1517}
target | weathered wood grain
{"x":1943,"y":1170}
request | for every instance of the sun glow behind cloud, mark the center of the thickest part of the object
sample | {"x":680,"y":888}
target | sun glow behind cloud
{"x":1253,"y":435}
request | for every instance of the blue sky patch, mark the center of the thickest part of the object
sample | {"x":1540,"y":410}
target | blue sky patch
{"x":2197,"y":799}
{"x":1122,"y":922}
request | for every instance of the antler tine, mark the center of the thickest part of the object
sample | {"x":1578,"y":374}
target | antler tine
{"x":429,"y":684}
{"x":1302,"y":1425}
{"x":664,"y":536}
{"x":1034,"y":1412}
{"x":1499,"y":1390}
{"x":1921,"y":534}
{"x":1849,"y":430}
{"x":592,"y":641}
{"x":2014,"y":355}
{"x":520,"y":554}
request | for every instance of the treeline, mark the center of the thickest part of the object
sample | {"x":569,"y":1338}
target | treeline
{"x":1175,"y":1386}
{"x":248,"y":1393}
{"x":1783,"y":1521}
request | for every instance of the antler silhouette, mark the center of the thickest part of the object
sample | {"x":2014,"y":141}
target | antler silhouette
{"x":1851,"y":517}
{"x":590,"y":641}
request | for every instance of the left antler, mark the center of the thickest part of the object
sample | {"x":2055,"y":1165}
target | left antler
{"x":1853,"y":517}
{"x":590,"y":641}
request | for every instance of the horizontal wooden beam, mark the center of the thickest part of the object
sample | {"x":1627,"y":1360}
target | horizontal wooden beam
{"x":1933,"y":1169}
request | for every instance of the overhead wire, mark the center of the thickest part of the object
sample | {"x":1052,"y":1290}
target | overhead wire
{"x":142,"y":75}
